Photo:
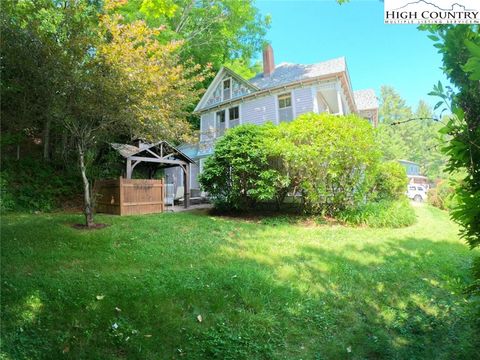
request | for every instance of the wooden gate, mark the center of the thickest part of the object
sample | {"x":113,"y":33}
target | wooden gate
{"x":129,"y":196}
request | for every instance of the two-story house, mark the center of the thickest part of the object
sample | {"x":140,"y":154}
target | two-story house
{"x":280,"y":93}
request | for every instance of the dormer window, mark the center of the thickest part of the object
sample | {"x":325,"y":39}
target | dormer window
{"x":285,"y":110}
{"x":227,"y":89}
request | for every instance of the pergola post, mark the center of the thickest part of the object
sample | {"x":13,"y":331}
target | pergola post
{"x":186,"y":186}
{"x":129,"y":169}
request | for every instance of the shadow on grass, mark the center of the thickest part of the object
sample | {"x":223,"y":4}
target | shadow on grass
{"x":396,"y":299}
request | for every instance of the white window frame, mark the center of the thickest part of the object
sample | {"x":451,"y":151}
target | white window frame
{"x":279,"y":97}
{"x":230,"y":88}
{"x":217,"y":122}
{"x":232,"y":107}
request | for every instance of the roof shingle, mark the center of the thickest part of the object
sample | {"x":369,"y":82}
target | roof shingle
{"x":365,"y":99}
{"x":286,"y":73}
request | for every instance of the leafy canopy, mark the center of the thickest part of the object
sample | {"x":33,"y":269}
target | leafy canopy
{"x":412,"y":135}
{"x":212,"y":31}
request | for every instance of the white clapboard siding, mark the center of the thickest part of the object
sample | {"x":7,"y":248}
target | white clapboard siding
{"x":259,"y":111}
{"x":194,"y":172}
{"x":303,"y":101}
{"x":207,"y":126}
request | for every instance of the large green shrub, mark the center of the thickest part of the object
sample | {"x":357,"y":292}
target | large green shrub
{"x":33,"y":185}
{"x":442,"y":196}
{"x":390,"y":181}
{"x":7,"y":201}
{"x":238,"y":175}
{"x":329,"y":159}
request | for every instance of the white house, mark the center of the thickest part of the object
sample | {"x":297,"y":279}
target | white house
{"x":280,"y":93}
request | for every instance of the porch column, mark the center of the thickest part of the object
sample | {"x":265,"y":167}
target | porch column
{"x":315,"y":100}
{"x":186,"y":185}
{"x":339,"y":101}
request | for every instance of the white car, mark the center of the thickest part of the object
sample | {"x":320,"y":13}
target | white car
{"x":417,"y":193}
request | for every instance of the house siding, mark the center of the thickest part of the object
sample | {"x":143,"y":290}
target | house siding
{"x":207,"y":126}
{"x":175,"y":176}
{"x":259,"y":111}
{"x":303,"y":100}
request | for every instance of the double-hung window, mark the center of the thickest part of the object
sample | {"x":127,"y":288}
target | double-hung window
{"x":285,"y":110}
{"x":227,"y":89}
{"x":220,"y":123}
{"x":233,"y":116}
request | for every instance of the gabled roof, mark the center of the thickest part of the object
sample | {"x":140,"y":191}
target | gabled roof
{"x":286,"y":73}
{"x":365,"y":99}
{"x":162,"y":148}
{"x":216,"y":80}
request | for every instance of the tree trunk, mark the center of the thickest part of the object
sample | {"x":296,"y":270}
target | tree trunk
{"x":64,"y":146}
{"x":87,"y":199}
{"x":18,"y":152}
{"x":46,"y":140}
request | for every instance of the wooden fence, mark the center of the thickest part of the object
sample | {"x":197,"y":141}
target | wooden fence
{"x":129,"y":196}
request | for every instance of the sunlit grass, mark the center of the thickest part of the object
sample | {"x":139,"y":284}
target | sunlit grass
{"x":263,"y":290}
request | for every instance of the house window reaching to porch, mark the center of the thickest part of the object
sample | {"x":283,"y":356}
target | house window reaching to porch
{"x":220,"y":123}
{"x":227,"y":89}
{"x":233,"y":117}
{"x":285,"y":110}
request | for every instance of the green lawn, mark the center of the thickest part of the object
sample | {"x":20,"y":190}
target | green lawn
{"x":263,"y":291}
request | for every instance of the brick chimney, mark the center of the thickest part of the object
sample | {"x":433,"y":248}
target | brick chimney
{"x":268,"y":62}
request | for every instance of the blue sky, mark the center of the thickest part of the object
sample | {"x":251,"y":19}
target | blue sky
{"x":377,"y":54}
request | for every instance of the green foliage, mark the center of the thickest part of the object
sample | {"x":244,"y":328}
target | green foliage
{"x":417,"y":140}
{"x":459,"y":46}
{"x":237,"y":175}
{"x":384,"y":213}
{"x":442,"y":196}
{"x":472,"y":66}
{"x":390,"y":181}
{"x":243,"y":68}
{"x":32,"y":185}
{"x":79,"y":71}
{"x":7,"y":201}
{"x":329,"y":159}
{"x":211,"y":31}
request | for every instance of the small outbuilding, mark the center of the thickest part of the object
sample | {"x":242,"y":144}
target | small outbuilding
{"x":157,"y":155}
{"x":141,"y":196}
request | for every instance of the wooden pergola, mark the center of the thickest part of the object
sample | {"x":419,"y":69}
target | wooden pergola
{"x":162,"y":155}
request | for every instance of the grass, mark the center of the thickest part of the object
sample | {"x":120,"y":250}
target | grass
{"x":134,"y":290}
{"x":385,"y":213}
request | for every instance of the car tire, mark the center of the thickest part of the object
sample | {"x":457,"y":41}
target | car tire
{"x":417,"y":198}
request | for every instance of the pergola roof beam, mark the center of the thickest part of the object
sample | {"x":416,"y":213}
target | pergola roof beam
{"x":159,"y":161}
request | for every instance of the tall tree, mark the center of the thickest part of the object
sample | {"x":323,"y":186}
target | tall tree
{"x":459,"y":46}
{"x":244,"y":68}
{"x":102,"y":77}
{"x":26,"y":70}
{"x":403,"y":134}
{"x":213,"y":31}
{"x":392,"y":109}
